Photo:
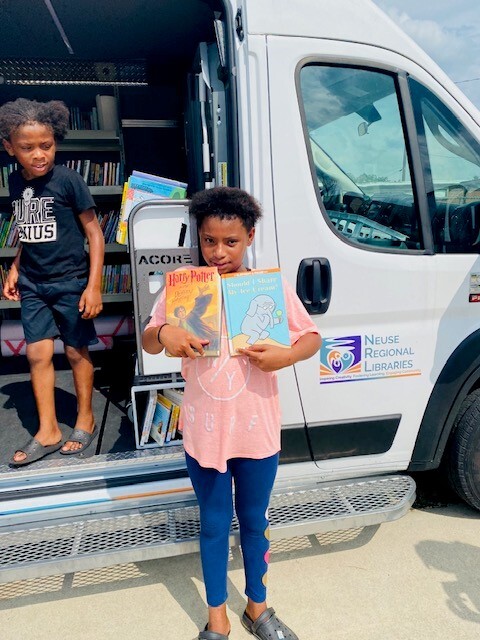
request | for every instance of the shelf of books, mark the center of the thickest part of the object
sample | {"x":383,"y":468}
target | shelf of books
{"x":116,"y":277}
{"x":156,"y":411}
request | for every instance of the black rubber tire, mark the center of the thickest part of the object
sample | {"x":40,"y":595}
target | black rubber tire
{"x":463,"y":456}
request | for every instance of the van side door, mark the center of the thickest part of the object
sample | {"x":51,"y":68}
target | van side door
{"x":351,"y":208}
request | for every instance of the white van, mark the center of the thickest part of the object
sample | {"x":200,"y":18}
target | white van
{"x":366,"y":159}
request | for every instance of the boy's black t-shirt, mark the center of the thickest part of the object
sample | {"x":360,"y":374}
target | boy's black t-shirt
{"x":46,"y":211}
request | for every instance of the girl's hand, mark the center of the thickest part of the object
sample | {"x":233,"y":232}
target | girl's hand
{"x":268,"y":357}
{"x":90,"y":304}
{"x":10,"y":288}
{"x":181,"y":343}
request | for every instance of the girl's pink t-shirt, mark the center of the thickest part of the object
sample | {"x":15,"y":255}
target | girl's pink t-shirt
{"x":231,"y":408}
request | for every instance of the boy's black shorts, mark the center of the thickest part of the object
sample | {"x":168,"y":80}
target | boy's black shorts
{"x":50,"y":309}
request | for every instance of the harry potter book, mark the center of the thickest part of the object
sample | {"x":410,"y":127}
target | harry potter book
{"x":194,"y":302}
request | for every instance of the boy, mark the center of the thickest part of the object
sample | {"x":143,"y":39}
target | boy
{"x":60,"y":295}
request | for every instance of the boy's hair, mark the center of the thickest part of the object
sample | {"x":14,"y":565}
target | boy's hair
{"x":225,"y":203}
{"x":15,"y":114}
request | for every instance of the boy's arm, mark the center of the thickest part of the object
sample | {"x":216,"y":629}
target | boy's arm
{"x":90,"y":304}
{"x":10,"y":289}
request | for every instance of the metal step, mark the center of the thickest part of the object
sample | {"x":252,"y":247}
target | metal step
{"x":134,"y":535}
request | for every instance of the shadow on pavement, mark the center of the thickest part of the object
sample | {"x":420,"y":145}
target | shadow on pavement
{"x":181,"y":575}
{"x":462,"y":561}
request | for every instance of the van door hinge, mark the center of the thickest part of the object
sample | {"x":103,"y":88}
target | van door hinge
{"x":239,"y":25}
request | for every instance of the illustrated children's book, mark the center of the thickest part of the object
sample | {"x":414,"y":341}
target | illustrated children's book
{"x":161,"y":420}
{"x":194,"y":302}
{"x":255,"y":310}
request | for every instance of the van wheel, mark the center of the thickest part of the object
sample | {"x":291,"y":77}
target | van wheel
{"x":463,"y":460}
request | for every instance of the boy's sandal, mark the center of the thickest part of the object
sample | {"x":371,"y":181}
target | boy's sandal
{"x":34,"y":450}
{"x":211,"y":635}
{"x":268,"y":627}
{"x":82,"y":437}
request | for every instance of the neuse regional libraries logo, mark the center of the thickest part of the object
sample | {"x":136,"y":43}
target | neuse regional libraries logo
{"x":341,"y":355}
{"x":367,"y":357}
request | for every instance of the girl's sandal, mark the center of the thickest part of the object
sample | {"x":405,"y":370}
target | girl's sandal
{"x":268,"y":627}
{"x":211,"y":635}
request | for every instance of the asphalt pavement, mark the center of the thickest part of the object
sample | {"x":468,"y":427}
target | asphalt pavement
{"x":416,"y":578}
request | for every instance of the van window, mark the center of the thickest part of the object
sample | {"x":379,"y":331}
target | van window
{"x":360,"y":159}
{"x":451,"y":159}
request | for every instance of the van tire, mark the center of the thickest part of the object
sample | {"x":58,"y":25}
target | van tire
{"x":463,"y":457}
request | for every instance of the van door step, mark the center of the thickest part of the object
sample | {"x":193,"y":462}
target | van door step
{"x":134,"y":535}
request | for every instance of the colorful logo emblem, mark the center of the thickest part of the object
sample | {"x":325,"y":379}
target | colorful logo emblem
{"x":339,"y":356}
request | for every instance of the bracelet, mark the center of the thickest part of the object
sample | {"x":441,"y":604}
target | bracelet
{"x":158,"y":332}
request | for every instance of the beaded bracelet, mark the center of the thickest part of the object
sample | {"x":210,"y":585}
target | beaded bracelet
{"x":158,"y":332}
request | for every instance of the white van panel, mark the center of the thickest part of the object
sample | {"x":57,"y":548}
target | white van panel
{"x":377,"y":296}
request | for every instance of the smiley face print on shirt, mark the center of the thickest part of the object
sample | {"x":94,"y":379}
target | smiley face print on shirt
{"x":225,"y":377}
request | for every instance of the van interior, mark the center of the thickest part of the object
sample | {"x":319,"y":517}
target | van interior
{"x":166,"y":65}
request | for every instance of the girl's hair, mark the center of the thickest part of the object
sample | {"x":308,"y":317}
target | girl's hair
{"x":15,"y":114}
{"x":225,"y":203}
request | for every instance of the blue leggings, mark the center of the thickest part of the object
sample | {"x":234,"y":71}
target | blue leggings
{"x":253,"y":485}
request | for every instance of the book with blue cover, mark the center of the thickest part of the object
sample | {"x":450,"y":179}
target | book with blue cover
{"x":161,"y":420}
{"x":255,"y":310}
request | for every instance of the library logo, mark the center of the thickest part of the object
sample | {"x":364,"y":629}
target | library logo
{"x":341,"y":356}
{"x":34,"y":218}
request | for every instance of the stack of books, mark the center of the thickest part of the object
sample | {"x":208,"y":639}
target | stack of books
{"x":160,"y":423}
{"x":145,"y":186}
{"x":8,"y":230}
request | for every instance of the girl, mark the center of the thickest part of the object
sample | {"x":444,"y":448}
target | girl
{"x":231,"y":419}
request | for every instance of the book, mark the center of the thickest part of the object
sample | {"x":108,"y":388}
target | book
{"x":255,"y":310}
{"x":160,"y":421}
{"x":151,"y":176}
{"x":172,"y":432}
{"x":141,"y":188}
{"x":175,"y":395}
{"x":148,"y":418}
{"x":194,"y":302}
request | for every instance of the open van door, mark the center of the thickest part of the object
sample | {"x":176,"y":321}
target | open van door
{"x":358,"y":246}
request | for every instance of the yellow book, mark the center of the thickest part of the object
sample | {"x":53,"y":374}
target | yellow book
{"x":122,"y":221}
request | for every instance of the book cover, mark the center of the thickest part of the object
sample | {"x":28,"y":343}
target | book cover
{"x":158,"y":187}
{"x":160,"y":422}
{"x":194,"y":302}
{"x":255,"y":311}
{"x":151,"y":176}
{"x":140,"y":189}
